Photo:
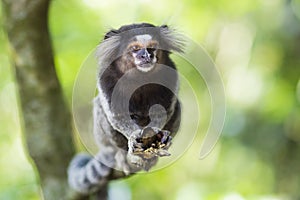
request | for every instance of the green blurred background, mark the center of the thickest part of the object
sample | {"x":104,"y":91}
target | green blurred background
{"x":256,"y":46}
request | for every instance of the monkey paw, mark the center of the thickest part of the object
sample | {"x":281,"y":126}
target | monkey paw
{"x":150,"y":142}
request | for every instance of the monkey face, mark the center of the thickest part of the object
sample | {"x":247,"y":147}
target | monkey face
{"x":143,"y":49}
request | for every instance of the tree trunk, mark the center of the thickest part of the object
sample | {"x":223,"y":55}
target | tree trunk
{"x":46,"y":117}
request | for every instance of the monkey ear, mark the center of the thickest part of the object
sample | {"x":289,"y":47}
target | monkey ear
{"x":111,"y":33}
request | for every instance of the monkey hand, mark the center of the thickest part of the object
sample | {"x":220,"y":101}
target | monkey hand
{"x":146,"y":145}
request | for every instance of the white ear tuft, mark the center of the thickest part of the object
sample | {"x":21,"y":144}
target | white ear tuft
{"x":106,"y":51}
{"x":173,"y":40}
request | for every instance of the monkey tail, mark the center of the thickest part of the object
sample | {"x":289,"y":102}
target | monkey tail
{"x":86,"y":173}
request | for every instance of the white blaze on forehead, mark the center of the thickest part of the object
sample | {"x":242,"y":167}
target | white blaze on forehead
{"x":143,"y":38}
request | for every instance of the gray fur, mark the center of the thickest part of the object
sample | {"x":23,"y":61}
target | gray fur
{"x":173,"y":39}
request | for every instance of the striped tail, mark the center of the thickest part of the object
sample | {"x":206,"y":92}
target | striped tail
{"x":86,"y":173}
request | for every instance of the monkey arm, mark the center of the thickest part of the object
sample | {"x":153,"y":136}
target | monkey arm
{"x":123,"y":124}
{"x":120,"y":122}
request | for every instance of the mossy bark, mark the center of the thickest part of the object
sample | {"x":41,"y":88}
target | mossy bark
{"x":46,"y":116}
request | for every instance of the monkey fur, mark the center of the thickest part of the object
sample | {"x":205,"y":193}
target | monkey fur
{"x":138,"y":50}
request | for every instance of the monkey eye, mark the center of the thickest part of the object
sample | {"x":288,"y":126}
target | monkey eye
{"x":151,"y":49}
{"x":135,"y":48}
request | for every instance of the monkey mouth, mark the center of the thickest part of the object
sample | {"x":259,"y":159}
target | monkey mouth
{"x":145,"y":67}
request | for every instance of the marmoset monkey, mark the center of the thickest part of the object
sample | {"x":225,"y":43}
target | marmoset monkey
{"x":136,"y":112}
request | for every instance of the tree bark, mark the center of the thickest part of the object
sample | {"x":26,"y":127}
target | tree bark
{"x":46,"y":117}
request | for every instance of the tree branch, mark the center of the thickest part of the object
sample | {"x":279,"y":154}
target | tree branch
{"x":47,"y":120}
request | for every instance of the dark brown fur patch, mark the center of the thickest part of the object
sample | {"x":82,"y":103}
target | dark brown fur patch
{"x":125,"y":63}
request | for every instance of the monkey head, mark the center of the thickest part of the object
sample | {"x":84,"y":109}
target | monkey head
{"x":139,"y":46}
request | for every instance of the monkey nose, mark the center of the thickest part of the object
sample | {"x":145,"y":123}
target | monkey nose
{"x":144,"y":55}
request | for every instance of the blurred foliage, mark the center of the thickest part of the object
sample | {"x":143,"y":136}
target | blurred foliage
{"x":256,"y":46}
